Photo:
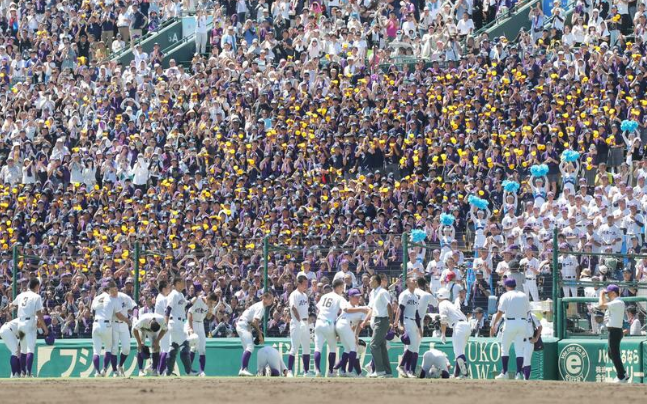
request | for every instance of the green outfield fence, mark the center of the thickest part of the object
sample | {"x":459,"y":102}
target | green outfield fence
{"x":574,"y":353}
{"x":73,"y":358}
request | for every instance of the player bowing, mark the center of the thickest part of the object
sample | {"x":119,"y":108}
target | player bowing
{"x":452,"y":317}
{"x":151,"y":326}
{"x":250,"y":319}
{"x":348,"y":327}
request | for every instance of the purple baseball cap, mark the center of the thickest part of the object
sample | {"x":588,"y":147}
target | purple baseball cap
{"x":510,"y":283}
{"x":353,"y":292}
{"x":613,"y":288}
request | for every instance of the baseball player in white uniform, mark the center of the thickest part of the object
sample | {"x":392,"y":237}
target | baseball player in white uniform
{"x":160,"y":308}
{"x":151,"y":326}
{"x":409,"y":324}
{"x":451,"y":316}
{"x":328,"y":310}
{"x":425,"y":298}
{"x":121,"y":333}
{"x":11,"y":333}
{"x":251,"y":318}
{"x":175,"y":318}
{"x":105,"y":308}
{"x":299,"y":331}
{"x":569,"y":270}
{"x":201,"y":307}
{"x":532,"y":271}
{"x":30,"y":312}
{"x":269,"y":357}
{"x":533,"y":333}
{"x":434,"y":365}
{"x":515,"y":306}
{"x":348,"y":327}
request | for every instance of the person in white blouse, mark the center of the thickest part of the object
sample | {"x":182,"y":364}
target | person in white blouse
{"x":201,"y":32}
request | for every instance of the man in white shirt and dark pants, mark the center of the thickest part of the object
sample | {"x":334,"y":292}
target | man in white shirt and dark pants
{"x":609,"y":301}
{"x":380,"y":303}
{"x":514,"y":304}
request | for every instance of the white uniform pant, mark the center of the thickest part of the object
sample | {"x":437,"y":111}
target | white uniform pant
{"x":569,"y":291}
{"x":515,"y":331}
{"x":150,"y":335}
{"x":530,"y":287}
{"x":411,"y":329}
{"x":178,"y":334}
{"x":10,"y":340}
{"x":346,"y":335}
{"x":269,"y":356}
{"x":28,"y":342}
{"x":120,"y":334}
{"x":198,"y":329}
{"x":165,"y":342}
{"x":299,"y":337}
{"x":528,"y":349}
{"x":460,"y":337}
{"x":101,"y":336}
{"x":325,"y":333}
{"x":200,"y":43}
{"x":245,"y":333}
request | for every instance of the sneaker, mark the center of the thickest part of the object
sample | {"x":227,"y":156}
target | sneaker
{"x":621,"y":381}
{"x":121,"y":372}
{"x":201,"y":374}
{"x":368,"y":368}
{"x":411,"y":375}
{"x":318,"y":374}
{"x":29,"y":376}
{"x":401,"y":371}
{"x":99,"y":374}
{"x":352,"y":375}
{"x":341,"y":373}
{"x":244,"y":373}
{"x":290,"y":374}
{"x":330,"y":374}
{"x":383,"y":375}
{"x":502,"y":376}
{"x":193,"y":373}
{"x":153,"y":373}
{"x":518,"y":376}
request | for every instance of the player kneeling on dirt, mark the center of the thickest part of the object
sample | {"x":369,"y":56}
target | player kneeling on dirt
{"x":153,"y":327}
{"x":269,"y":363}
{"x":434,"y":365}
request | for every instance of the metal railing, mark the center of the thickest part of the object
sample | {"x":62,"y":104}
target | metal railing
{"x":148,"y":35}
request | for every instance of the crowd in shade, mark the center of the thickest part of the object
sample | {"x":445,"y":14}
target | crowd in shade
{"x":297,"y":124}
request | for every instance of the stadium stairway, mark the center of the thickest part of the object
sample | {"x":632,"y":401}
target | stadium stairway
{"x":511,"y":23}
{"x":184,"y":50}
{"x":168,"y":34}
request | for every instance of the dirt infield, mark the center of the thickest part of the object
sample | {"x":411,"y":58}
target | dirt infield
{"x":310,"y":391}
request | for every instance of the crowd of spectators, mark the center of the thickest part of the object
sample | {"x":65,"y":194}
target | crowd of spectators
{"x":296,"y":125}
